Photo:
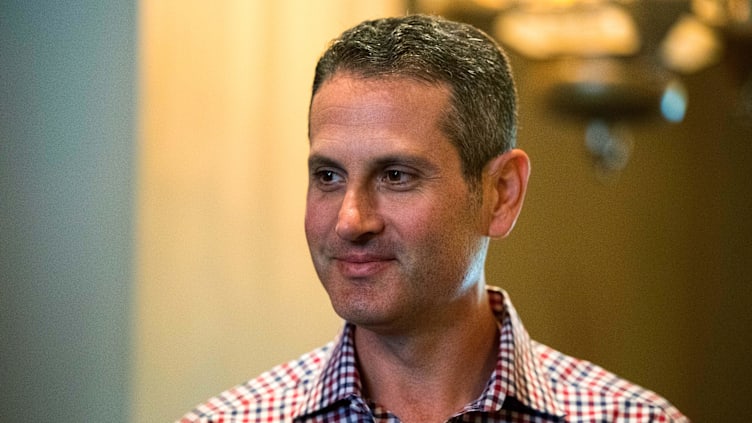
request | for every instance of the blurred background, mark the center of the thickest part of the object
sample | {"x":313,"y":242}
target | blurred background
{"x":152,"y":183}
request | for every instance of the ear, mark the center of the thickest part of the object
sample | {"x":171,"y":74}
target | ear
{"x":505,"y":185}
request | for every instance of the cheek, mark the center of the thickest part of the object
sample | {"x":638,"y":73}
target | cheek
{"x":420,"y":224}
{"x":320,"y":217}
{"x":310,"y":221}
{"x":312,"y":225}
{"x":448,"y":225}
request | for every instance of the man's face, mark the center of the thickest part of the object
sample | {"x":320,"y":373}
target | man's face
{"x":393,"y":229}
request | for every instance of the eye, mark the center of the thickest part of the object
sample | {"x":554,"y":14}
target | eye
{"x":394,"y":176}
{"x":399,"y":179}
{"x":327,"y":178}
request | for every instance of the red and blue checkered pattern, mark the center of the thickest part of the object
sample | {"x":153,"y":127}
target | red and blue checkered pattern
{"x":531,"y":383}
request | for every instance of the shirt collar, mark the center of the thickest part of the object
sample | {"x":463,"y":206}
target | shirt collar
{"x":518,"y":374}
{"x":339,"y":380}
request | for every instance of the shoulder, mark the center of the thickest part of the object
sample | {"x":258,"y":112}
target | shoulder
{"x":586,"y":390}
{"x":272,"y":396}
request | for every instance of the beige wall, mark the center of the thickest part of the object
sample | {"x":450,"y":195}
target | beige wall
{"x":225,"y":288}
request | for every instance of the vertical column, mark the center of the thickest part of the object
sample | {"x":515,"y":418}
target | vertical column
{"x":67,"y":72}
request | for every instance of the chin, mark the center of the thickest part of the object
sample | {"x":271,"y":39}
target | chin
{"x":360,"y":311}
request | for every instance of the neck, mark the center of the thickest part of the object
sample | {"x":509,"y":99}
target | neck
{"x":431,"y":373}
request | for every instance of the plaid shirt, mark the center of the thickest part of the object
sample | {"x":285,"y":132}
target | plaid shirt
{"x":531,"y":383}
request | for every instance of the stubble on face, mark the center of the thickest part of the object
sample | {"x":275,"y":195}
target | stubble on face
{"x":424,"y":240}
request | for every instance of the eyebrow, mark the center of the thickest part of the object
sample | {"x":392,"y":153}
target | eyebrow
{"x":419,"y":162}
{"x":317,"y":160}
{"x":411,"y":160}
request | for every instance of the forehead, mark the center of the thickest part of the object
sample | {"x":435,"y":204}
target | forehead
{"x":347,"y":104}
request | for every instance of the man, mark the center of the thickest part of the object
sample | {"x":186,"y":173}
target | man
{"x":412,"y":171}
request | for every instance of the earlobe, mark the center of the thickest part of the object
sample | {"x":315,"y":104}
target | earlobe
{"x":508,"y":174}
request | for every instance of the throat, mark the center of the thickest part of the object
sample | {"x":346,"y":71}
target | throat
{"x":428,"y":379}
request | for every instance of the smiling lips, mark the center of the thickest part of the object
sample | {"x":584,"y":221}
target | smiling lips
{"x":361,"y":265}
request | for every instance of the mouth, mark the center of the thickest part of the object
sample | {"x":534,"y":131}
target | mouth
{"x":358,"y":266}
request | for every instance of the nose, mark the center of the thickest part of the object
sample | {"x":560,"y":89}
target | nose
{"x":358,"y":217}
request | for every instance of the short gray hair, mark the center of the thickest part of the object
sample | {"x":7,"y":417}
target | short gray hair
{"x":482,"y":119}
